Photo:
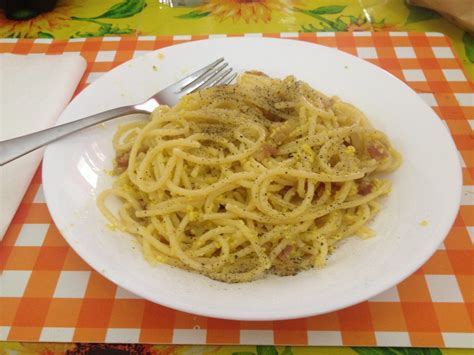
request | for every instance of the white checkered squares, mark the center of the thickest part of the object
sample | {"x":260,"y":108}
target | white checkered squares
{"x":39,"y":197}
{"x":443,"y":288}
{"x":405,"y":52}
{"x":124,"y":294}
{"x":467,"y":197}
{"x":32,"y":235}
{"x":215,"y":36}
{"x":443,"y":52}
{"x":146,"y":38}
{"x":465,"y":99}
{"x":434,"y":34}
{"x":471,"y":124}
{"x":4,"y":333}
{"x":390,"y":295}
{"x":256,"y":337}
{"x":74,"y":40}
{"x":181,"y":38}
{"x":362,"y":34}
{"x":289,"y":34}
{"x":122,"y":335}
{"x":105,"y":56}
{"x":366,"y":52}
{"x":189,"y":336}
{"x":458,"y":340}
{"x":43,"y":40}
{"x":414,"y":75}
{"x":56,"y":334}
{"x":13,"y":282}
{"x":324,"y":338}
{"x":93,"y":77}
{"x":111,"y":39}
{"x":470,"y":231}
{"x":392,"y":339}
{"x":454,"y":75}
{"x":326,"y":34}
{"x":399,"y":34}
{"x":72,"y":284}
{"x":429,"y":99}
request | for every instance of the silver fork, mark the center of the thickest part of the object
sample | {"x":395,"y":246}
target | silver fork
{"x":211,"y":75}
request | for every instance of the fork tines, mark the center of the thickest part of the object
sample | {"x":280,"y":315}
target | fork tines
{"x":211,"y":75}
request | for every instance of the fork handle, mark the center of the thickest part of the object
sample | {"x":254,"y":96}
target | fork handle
{"x":14,"y":148}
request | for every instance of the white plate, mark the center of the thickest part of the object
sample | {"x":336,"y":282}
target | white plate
{"x":426,"y":187}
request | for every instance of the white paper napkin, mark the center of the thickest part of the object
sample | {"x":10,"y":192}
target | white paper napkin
{"x":34,"y":90}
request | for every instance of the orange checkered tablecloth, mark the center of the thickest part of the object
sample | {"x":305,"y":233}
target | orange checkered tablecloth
{"x":49,"y":294}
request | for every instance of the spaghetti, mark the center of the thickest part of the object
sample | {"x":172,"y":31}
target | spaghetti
{"x":236,"y":181}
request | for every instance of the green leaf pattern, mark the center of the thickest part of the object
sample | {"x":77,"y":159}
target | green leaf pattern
{"x":328,"y":10}
{"x":105,"y":29}
{"x":287,"y":351}
{"x":418,"y":14}
{"x":124,"y":9}
{"x":468,"y":40}
{"x":193,"y":15}
{"x":326,"y":24}
{"x":266,"y":350}
{"x":45,"y":35}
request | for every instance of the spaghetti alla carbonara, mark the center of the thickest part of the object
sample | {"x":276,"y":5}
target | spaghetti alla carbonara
{"x":262,"y":176}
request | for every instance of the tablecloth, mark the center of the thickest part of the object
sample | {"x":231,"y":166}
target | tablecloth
{"x":89,"y":18}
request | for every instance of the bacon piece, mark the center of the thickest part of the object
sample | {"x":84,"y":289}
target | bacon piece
{"x":122,"y":159}
{"x":285,"y":253}
{"x":270,"y":116}
{"x":364,"y":188}
{"x":320,"y":190}
{"x":284,"y":190}
{"x":267,"y":151}
{"x":377,"y":151}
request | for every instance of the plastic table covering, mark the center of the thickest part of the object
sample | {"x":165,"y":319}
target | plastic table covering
{"x":88,"y":18}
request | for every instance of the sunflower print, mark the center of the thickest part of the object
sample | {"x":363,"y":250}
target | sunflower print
{"x":246,"y":10}
{"x":47,"y":22}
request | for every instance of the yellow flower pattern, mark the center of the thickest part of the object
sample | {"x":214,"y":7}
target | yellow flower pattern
{"x":48,"y":22}
{"x":89,"y":18}
{"x":247,"y":10}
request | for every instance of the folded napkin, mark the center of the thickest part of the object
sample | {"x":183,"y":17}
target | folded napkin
{"x":34,"y":90}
